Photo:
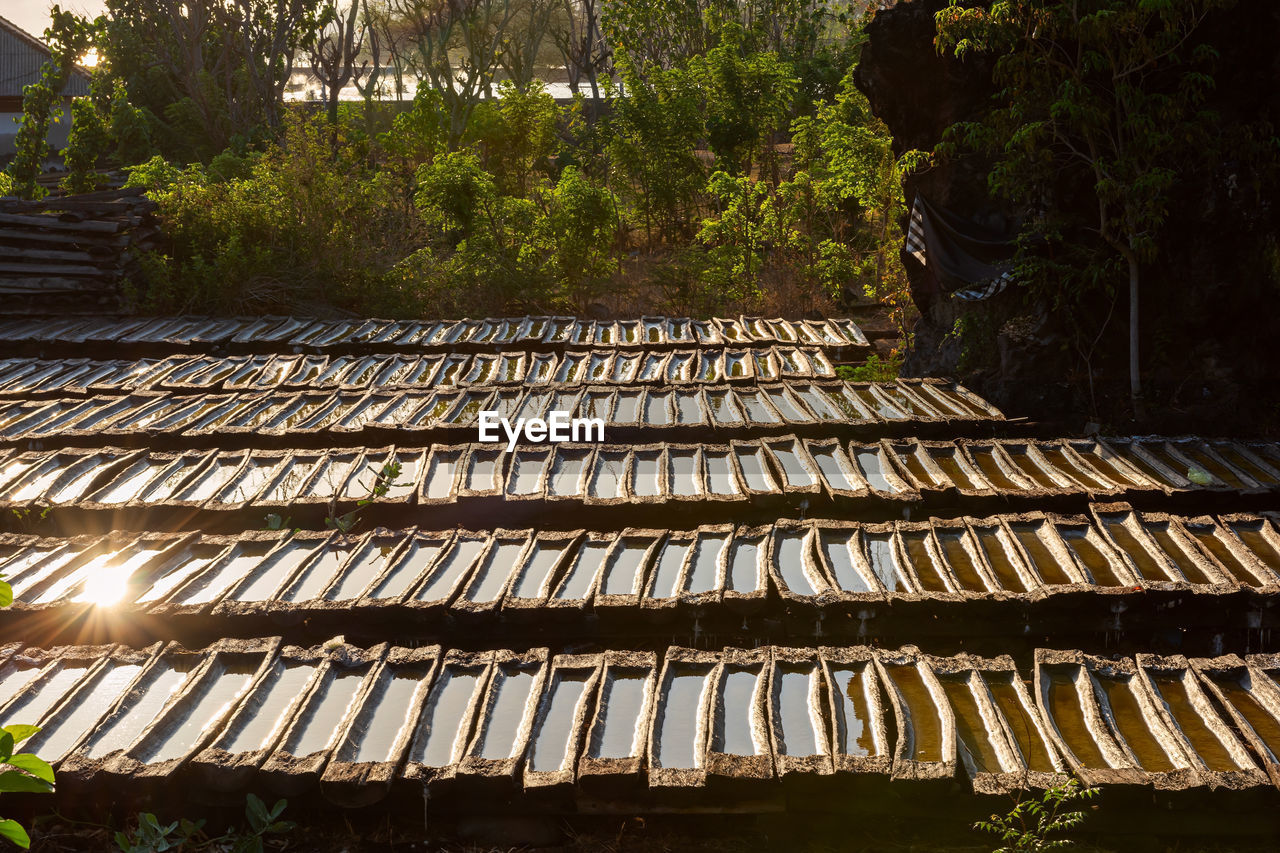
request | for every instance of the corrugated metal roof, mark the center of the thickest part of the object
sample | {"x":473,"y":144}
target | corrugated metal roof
{"x":22,"y":55}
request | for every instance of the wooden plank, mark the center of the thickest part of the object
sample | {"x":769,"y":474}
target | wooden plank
{"x":56,"y":225}
{"x":113,"y":181}
{"x":25,"y":237}
{"x":77,"y":204}
{"x":48,"y":269}
{"x":112,"y":194}
{"x":52,"y":285}
{"x":21,"y":253}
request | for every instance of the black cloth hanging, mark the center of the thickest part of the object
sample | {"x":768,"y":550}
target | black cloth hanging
{"x":964,"y":259}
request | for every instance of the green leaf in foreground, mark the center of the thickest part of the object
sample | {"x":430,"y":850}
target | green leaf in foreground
{"x":20,"y":732}
{"x":37,"y":767}
{"x":13,"y":831}
{"x":17,"y":782}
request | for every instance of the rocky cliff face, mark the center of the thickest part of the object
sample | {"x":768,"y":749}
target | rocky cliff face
{"x":1212,"y":318}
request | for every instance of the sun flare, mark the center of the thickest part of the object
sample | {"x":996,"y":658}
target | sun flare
{"x":106,"y":581}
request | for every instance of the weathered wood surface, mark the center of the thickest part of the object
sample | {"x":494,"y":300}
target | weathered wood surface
{"x":72,"y":247}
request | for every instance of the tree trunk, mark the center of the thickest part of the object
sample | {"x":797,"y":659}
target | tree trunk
{"x":881,"y":260}
{"x":1135,"y":378}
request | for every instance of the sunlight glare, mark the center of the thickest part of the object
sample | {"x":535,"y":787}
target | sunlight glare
{"x":108,"y":583}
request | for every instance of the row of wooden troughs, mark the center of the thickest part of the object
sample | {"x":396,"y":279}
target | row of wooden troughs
{"x":763,"y":470}
{"x":288,"y":332}
{"x":765,"y":406}
{"x":192,"y":373}
{"x":359,"y":721}
{"x":818,"y":564}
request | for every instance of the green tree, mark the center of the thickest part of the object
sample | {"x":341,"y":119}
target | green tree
{"x":738,"y":235}
{"x":661,"y":35}
{"x":458,"y":47}
{"x":747,"y":99}
{"x":551,"y":248}
{"x":652,"y":137}
{"x":208,"y":73}
{"x":487,"y":238}
{"x":419,"y":133}
{"x":857,"y":190}
{"x":1108,"y":94}
{"x":69,"y":38}
{"x":457,"y":195}
{"x":581,"y":223}
{"x":818,"y":38}
{"x":515,"y":135}
{"x":104,"y":127}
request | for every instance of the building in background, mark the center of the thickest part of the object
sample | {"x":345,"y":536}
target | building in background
{"x":22,"y":55}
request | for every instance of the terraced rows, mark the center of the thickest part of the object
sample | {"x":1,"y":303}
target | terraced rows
{"x":194,"y":373}
{"x":285,"y":333}
{"x":525,"y":573}
{"x":766,"y":471}
{"x":360,"y":721}
{"x":688,"y":608}
{"x":349,"y":413}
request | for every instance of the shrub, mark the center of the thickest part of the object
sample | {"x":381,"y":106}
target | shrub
{"x":295,"y":225}
{"x":552,"y":249}
{"x":515,"y":136}
{"x":651,"y":140}
{"x":1034,"y":820}
{"x":874,"y":369}
{"x":581,"y":225}
{"x":420,"y":132}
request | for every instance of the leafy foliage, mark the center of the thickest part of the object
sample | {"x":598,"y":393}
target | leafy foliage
{"x":20,"y":772}
{"x":458,"y":49}
{"x":874,"y":369}
{"x":293,"y":224}
{"x":580,"y":222}
{"x":486,"y":196}
{"x":515,"y":136}
{"x":68,"y":38}
{"x":275,"y":521}
{"x":29,"y":517}
{"x":384,"y":480}
{"x":1106,"y":95}
{"x":737,"y":237}
{"x":1033,"y":821}
{"x":418,"y":133}
{"x":551,"y":247}
{"x":207,"y":75}
{"x":747,"y":99}
{"x":152,"y":836}
{"x":105,"y":128}
{"x":651,"y":145}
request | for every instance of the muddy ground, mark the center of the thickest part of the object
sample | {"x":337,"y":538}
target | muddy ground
{"x":711,"y":833}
